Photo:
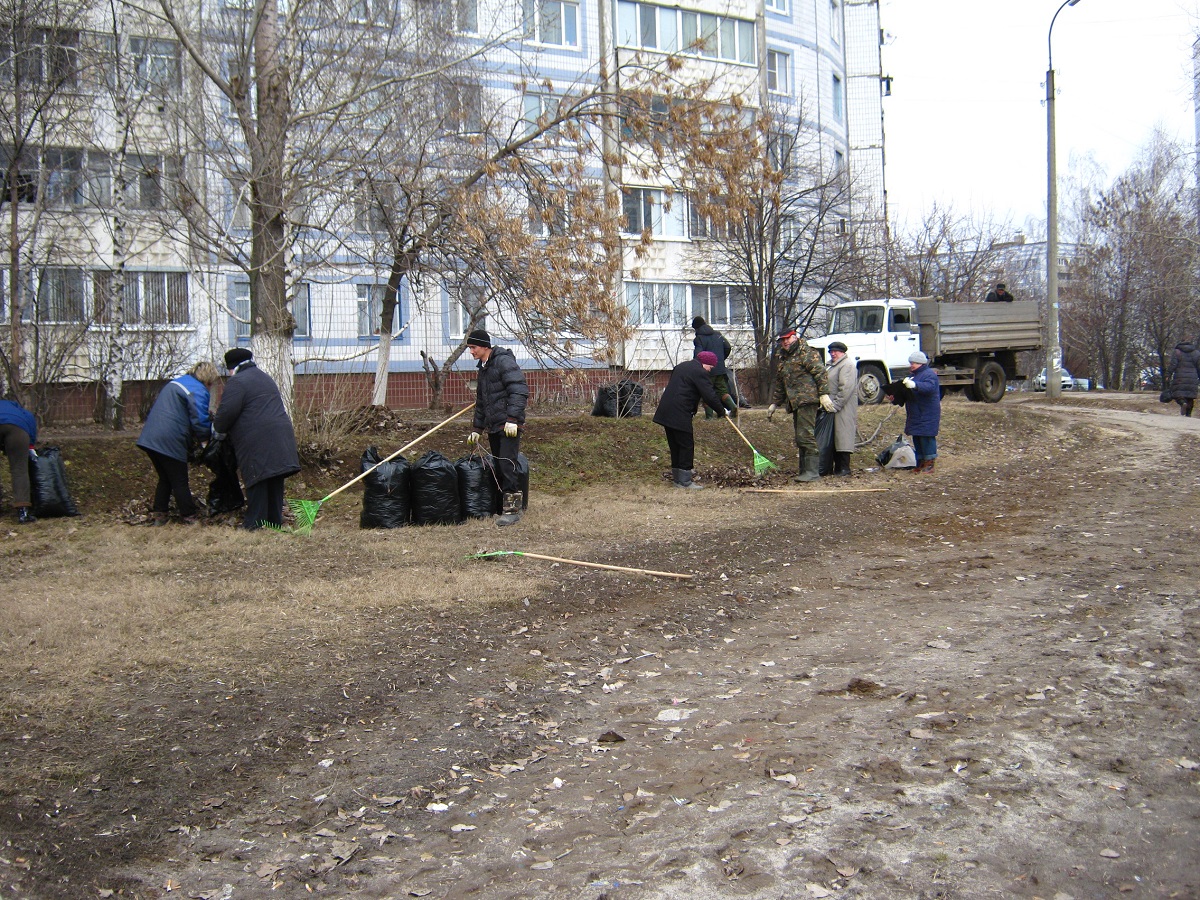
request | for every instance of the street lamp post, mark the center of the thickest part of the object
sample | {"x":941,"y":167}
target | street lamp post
{"x":1053,"y":354}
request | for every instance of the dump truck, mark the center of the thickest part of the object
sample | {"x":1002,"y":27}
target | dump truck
{"x":973,"y":347}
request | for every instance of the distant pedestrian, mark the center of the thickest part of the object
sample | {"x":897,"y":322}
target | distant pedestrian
{"x":999,"y":294}
{"x":690,"y":382}
{"x":923,"y":410}
{"x":178,"y":420}
{"x":500,"y":397}
{"x":708,"y":338}
{"x":843,"y":391}
{"x":252,"y":414}
{"x":802,"y":383}
{"x":18,"y":433}
{"x":1183,"y":376}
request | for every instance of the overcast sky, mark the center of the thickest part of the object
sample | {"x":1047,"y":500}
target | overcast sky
{"x":966,"y":121}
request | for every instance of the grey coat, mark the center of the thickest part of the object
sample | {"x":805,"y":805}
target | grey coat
{"x":843,"y":391}
{"x":253,"y":415}
{"x":1183,"y":372}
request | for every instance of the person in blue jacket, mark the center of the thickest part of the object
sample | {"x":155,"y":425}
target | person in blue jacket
{"x":923,"y":411}
{"x":178,"y":418}
{"x":18,"y":432}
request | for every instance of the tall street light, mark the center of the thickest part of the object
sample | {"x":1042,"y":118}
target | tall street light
{"x":1053,"y":355}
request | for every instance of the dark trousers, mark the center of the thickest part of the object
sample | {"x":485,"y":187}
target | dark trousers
{"x":504,"y":458}
{"x":264,"y":503}
{"x":16,"y":448}
{"x":683,"y":447}
{"x":172,"y":482}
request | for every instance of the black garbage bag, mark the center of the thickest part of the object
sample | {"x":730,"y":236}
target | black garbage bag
{"x":435,"y":498}
{"x":387,"y":492}
{"x":224,"y":491}
{"x":478,"y":487}
{"x":629,"y":398}
{"x":606,"y":401}
{"x":48,"y":485}
{"x":522,"y":484}
{"x":824,"y":435}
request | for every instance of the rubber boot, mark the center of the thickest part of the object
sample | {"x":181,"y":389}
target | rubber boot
{"x":730,"y":405}
{"x":510,"y":509}
{"x":24,"y":516}
{"x":683,"y":479}
{"x":809,"y":466}
{"x":841,"y":463}
{"x":928,"y":470}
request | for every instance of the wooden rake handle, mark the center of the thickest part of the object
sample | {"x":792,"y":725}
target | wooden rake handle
{"x":592,"y":565}
{"x":729,"y":419}
{"x":392,"y":456}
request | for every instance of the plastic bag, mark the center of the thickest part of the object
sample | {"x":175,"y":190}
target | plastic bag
{"x":435,"y":499}
{"x":48,"y":485}
{"x":898,"y":455}
{"x":387,"y":501}
{"x":606,"y":402}
{"x":478,"y":487}
{"x":629,"y":398}
{"x":824,"y":435}
{"x":224,"y":491}
{"x":1165,"y":396}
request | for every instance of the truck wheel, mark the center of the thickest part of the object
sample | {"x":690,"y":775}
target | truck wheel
{"x":990,"y":382}
{"x":871,"y":383}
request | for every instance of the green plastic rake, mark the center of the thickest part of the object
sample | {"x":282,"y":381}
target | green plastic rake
{"x":305,"y":511}
{"x":761,"y":463}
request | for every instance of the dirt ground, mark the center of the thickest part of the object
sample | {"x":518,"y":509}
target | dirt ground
{"x":977,"y":683}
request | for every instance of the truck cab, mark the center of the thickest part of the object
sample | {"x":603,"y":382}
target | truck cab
{"x":879,"y":336}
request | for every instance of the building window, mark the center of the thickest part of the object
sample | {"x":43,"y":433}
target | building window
{"x":552,"y":22}
{"x":302,"y":311}
{"x":156,"y":63}
{"x":779,"y":148}
{"x":537,"y":109}
{"x":839,"y":163}
{"x":835,"y":22}
{"x":656,"y":303}
{"x":60,"y":295}
{"x":150,"y":181}
{"x":778,"y":72}
{"x":48,"y":56}
{"x":779,"y":6}
{"x":549,"y":216}
{"x":649,"y":209}
{"x":467,"y":16}
{"x":240,"y":307}
{"x":720,"y":304}
{"x":465,"y":301}
{"x":464,"y":109}
{"x":837,"y":99}
{"x":370,"y":308}
{"x":373,"y":204}
{"x":718,"y":37}
{"x":369,"y":12}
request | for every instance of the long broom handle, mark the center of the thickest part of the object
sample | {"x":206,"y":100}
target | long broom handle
{"x":592,"y":565}
{"x":389,"y":458}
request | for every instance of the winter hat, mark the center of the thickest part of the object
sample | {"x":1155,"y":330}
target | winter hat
{"x":698,"y":321}
{"x":237,"y":356}
{"x":838,"y":345}
{"x":479,"y":338}
{"x":918,"y":357}
{"x":707,"y":358}
{"x":787,"y":334}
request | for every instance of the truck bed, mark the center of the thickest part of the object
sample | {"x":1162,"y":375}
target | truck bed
{"x":952,"y":328}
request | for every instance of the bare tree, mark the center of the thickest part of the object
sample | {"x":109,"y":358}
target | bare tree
{"x":947,"y":255}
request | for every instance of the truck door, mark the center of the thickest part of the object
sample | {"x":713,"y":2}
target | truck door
{"x":903,"y":333}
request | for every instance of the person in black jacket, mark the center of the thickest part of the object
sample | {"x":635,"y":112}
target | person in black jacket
{"x":999,"y":295}
{"x":178,"y":419}
{"x":1183,"y":376}
{"x":18,"y":434}
{"x":690,"y":383}
{"x":708,"y":338}
{"x":500,"y":397}
{"x":253,"y":416}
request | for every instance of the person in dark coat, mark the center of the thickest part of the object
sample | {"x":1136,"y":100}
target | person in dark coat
{"x":690,"y":383}
{"x":1183,"y":375}
{"x":254,"y":418}
{"x":500,"y":397}
{"x":999,"y":295}
{"x":708,"y":338}
{"x":923,"y":411}
{"x":18,"y":433}
{"x":178,"y":419}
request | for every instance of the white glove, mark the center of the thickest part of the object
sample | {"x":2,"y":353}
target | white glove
{"x":473,"y":437}
{"x":771,"y":411}
{"x":909,"y":383}
{"x":827,"y":403}
{"x":510,"y":429}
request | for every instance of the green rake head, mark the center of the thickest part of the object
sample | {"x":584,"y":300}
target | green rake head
{"x":305,"y":512}
{"x":762,"y":465}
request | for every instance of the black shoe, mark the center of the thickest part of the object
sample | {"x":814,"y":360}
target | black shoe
{"x":24,"y":516}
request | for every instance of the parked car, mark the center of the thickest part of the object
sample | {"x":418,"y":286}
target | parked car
{"x":1039,"y":381}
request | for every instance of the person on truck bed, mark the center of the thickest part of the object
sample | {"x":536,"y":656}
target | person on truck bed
{"x":999,"y":295}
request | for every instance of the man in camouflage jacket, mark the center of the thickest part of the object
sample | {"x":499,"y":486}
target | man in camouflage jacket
{"x":802,"y":383}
